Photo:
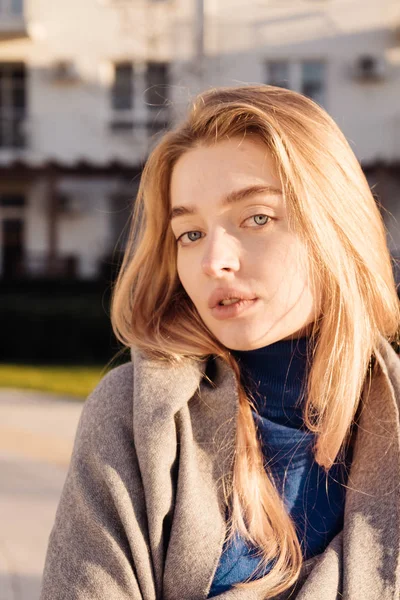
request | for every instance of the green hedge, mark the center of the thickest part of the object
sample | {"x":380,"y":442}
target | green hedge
{"x":56,"y":323}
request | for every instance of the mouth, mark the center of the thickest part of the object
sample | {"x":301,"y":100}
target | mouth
{"x":233,"y":307}
{"x":229,"y":301}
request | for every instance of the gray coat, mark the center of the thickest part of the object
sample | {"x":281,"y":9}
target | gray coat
{"x":141,"y":516}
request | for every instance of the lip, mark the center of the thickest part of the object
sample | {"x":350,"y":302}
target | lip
{"x":231,"y":311}
{"x":227,"y":294}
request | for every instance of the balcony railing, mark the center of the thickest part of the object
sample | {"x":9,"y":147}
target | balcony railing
{"x":155,"y":121}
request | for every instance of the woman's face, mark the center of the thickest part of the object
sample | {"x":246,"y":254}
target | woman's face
{"x":235,"y":246}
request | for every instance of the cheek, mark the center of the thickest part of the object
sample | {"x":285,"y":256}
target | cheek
{"x":180,"y":270}
{"x":284,"y":269}
{"x":273,"y":260}
{"x":187,"y":276}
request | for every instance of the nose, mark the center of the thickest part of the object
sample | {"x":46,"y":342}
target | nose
{"x":220,"y":255}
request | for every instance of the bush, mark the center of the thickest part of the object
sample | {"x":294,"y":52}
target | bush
{"x":56,"y":323}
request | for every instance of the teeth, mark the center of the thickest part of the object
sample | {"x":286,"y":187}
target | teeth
{"x":230,"y":301}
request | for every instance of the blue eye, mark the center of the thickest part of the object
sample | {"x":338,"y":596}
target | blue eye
{"x":193,"y":236}
{"x":261,"y":219}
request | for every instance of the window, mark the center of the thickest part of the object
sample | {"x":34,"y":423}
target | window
{"x":122,"y":91}
{"x":17,"y":7}
{"x":123,"y":126}
{"x":313,"y":80}
{"x":11,"y":7}
{"x":157,"y":84}
{"x":150,"y":107}
{"x":12,"y":104}
{"x":278,"y":73}
{"x":156,"y":96}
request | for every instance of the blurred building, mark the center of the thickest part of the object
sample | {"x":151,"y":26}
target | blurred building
{"x":86,"y":87}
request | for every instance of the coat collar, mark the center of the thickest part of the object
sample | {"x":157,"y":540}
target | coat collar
{"x":194,"y":424}
{"x":371,"y":534}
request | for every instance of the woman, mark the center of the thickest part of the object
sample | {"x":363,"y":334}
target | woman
{"x":251,"y":449}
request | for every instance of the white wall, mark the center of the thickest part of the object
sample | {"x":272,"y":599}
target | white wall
{"x":241,"y":40}
{"x":71,"y":121}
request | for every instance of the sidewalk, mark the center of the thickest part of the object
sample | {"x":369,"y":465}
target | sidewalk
{"x":36,"y":438}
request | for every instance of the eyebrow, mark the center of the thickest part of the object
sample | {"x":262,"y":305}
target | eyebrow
{"x":231,"y":198}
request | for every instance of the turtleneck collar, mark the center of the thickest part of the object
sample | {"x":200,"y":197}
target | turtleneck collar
{"x":275,"y":375}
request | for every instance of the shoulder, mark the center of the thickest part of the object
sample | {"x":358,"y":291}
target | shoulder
{"x":106,"y":416}
{"x":100,"y":526}
{"x":114,"y":388}
{"x":391,"y":364}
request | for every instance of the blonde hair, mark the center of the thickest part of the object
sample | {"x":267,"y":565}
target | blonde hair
{"x":331,"y":207}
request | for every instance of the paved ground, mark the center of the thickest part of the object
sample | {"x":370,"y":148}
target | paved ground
{"x":36,"y":437}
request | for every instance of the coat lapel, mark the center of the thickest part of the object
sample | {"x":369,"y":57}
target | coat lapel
{"x":184,"y":431}
{"x":207,"y":439}
{"x":159,"y":393}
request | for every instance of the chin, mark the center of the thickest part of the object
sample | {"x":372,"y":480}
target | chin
{"x":241,"y":341}
{"x":252,"y":340}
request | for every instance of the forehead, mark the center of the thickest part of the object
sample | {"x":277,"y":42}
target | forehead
{"x":218,"y":169}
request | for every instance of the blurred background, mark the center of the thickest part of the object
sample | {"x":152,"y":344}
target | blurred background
{"x":86,"y":89}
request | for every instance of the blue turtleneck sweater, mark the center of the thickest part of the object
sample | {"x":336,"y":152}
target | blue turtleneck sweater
{"x":274,"y":375}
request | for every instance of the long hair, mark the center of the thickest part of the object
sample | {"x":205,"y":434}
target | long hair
{"x":331,"y":208}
